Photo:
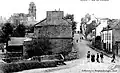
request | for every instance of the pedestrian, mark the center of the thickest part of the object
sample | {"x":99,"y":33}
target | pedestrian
{"x":77,"y":41}
{"x":88,"y":56}
{"x":113,"y":58}
{"x":97,"y":59}
{"x":101,"y":56}
{"x":80,"y":39}
{"x":92,"y":58}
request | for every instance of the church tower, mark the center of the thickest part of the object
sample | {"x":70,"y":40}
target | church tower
{"x":32,"y":10}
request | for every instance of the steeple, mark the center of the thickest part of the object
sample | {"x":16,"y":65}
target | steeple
{"x":32,"y":9}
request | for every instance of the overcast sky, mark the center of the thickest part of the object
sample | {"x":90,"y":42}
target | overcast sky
{"x":102,"y":9}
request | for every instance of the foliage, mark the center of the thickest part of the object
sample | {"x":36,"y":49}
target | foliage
{"x":2,"y":37}
{"x":74,"y":25}
{"x":90,"y":27}
{"x":25,"y":65}
{"x":85,"y":19}
{"x":38,"y":47}
{"x":71,"y":56}
{"x":30,"y":29}
{"x":7,"y":29}
{"x":19,"y":31}
{"x":81,"y":29}
{"x":13,"y":54}
{"x":71,"y":17}
{"x":12,"y":59}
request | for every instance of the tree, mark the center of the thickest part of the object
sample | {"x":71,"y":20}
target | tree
{"x":19,"y":31}
{"x":30,"y":29}
{"x":84,"y":21}
{"x":81,"y":29}
{"x":7,"y":30}
{"x":71,"y":17}
{"x":38,"y":47}
{"x":90,"y":27}
{"x":87,"y":17}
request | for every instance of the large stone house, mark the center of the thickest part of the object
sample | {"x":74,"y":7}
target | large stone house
{"x":57,"y":29}
{"x":110,"y":37}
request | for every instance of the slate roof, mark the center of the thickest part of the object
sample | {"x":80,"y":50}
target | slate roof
{"x":112,"y":24}
{"x":16,"y":41}
{"x":60,"y":22}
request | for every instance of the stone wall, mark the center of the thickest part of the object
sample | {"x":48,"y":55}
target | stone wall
{"x":116,"y":35}
{"x":53,"y":31}
{"x":61,"y":45}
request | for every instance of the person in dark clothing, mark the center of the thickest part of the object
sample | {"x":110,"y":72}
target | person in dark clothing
{"x":97,"y":59}
{"x":92,"y":58}
{"x":88,"y":56}
{"x":77,"y":41}
{"x":113,"y":58}
{"x":101,"y":56}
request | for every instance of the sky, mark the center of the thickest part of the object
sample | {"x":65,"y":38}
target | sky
{"x":100,"y":9}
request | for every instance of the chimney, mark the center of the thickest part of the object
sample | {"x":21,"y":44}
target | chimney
{"x":55,"y":14}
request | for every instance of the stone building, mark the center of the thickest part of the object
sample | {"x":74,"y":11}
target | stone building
{"x":57,"y":29}
{"x":22,"y":18}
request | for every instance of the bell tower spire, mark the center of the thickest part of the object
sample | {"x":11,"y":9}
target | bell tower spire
{"x":32,"y":9}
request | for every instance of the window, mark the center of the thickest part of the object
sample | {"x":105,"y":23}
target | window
{"x":103,"y":36}
{"x":109,"y":36}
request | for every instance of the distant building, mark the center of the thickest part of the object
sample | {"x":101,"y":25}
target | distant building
{"x":103,"y":23}
{"x":22,"y":18}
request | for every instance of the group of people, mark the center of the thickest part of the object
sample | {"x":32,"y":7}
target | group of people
{"x":91,"y":57}
{"x":98,"y":58}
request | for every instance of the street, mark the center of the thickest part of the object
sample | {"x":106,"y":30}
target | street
{"x":80,"y":65}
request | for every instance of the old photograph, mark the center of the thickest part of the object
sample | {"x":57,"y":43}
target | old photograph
{"x":59,"y":36}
